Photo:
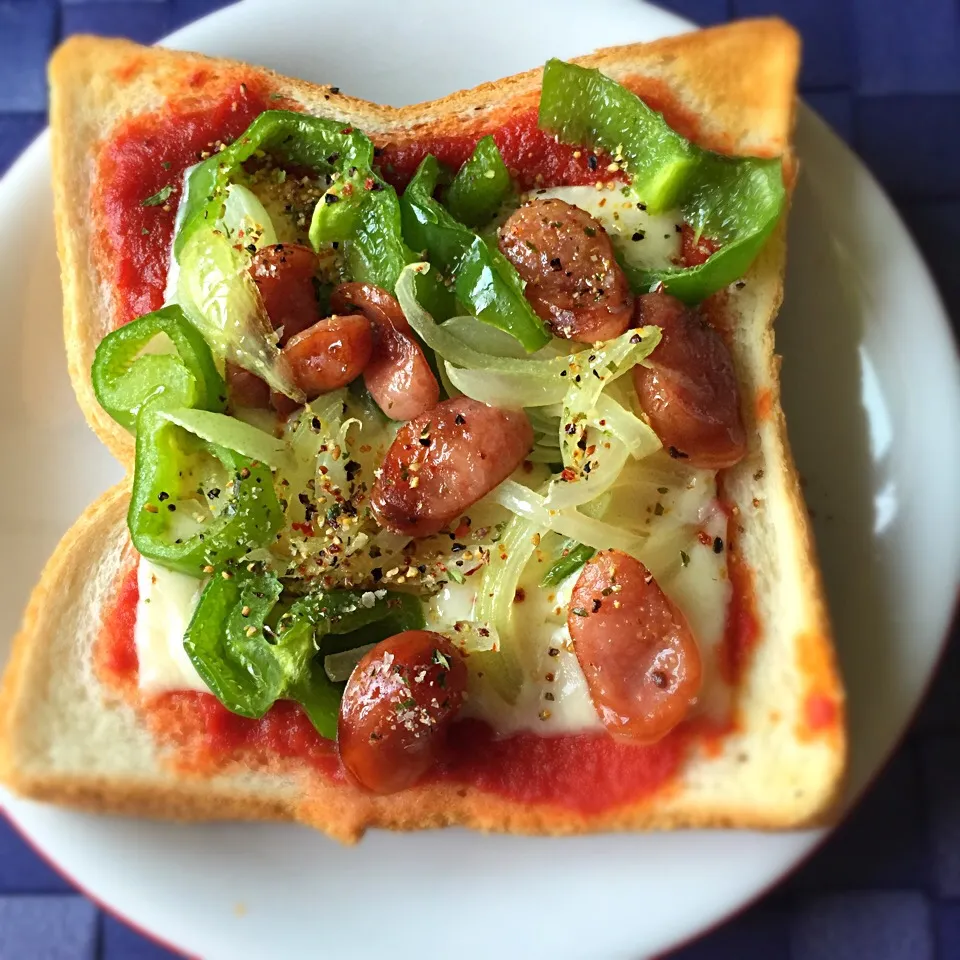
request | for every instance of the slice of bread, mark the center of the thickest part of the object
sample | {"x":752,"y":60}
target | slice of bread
{"x":64,"y":738}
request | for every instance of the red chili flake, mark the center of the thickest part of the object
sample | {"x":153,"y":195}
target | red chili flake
{"x":305,"y":528}
{"x":368,"y":183}
{"x":704,"y":538}
{"x":569,"y":474}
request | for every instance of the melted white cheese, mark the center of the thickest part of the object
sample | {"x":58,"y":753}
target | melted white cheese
{"x":166,"y":603}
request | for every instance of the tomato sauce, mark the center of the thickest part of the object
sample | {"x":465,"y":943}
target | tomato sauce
{"x":533,"y":157}
{"x":588,"y":773}
{"x":117,"y":653}
{"x":695,"y":250}
{"x":148,"y":155}
{"x":821,"y":712}
{"x":210,"y":736}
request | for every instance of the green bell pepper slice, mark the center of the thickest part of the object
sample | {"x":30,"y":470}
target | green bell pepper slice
{"x":250,"y":658}
{"x":169,"y":468}
{"x":576,"y":555}
{"x":737,"y":201}
{"x":480,"y":186}
{"x":124,"y":377}
{"x":363,"y":216}
{"x":362,"y":213}
{"x":322,"y":144}
{"x":484,"y":281}
{"x":582,"y":106}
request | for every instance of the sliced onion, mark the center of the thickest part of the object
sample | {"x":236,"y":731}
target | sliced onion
{"x":221,"y":299}
{"x":233,"y":434}
{"x":446,"y":382}
{"x":614,"y":419}
{"x":501,"y":389}
{"x":531,"y":506}
{"x":245,"y":219}
{"x":484,"y":338}
{"x":544,"y":454}
{"x":339,"y":666}
{"x":495,"y":602}
{"x":450,"y":347}
{"x":584,"y":487}
{"x":544,"y":419}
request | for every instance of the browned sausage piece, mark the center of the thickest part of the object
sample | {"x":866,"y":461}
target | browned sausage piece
{"x":689,"y":391}
{"x":245,"y":389}
{"x":330,"y":354}
{"x":396,"y":708}
{"x":573,"y":281}
{"x":446,"y":460}
{"x":635,"y":648}
{"x":284,"y":274}
{"x":398,"y":376}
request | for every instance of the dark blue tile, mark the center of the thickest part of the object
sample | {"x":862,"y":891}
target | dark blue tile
{"x":936,"y":228}
{"x":701,"y":12}
{"x":941,"y":779}
{"x":144,"y":22}
{"x":829,"y":56}
{"x":947,"y":929}
{"x":863,"y":926}
{"x":21,"y":870}
{"x":908,"y":47}
{"x":910,"y":143}
{"x":16,"y":132}
{"x":836,"y":107}
{"x":28,"y":32}
{"x":183,"y":12}
{"x":120,"y":942}
{"x":881,"y":845}
{"x":47,"y":928}
{"x":758,"y":933}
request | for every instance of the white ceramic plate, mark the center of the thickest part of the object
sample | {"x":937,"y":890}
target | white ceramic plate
{"x":872,"y":393}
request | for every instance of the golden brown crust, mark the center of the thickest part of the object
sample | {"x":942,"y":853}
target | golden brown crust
{"x":730,"y":88}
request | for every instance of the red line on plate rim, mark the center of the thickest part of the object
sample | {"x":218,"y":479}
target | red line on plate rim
{"x":61,"y":871}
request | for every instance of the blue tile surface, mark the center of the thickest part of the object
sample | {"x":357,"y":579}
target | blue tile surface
{"x":886,"y":75}
{"x":48,"y":928}
{"x":907,"y":47}
{"x":910,"y":141}
{"x":120,"y":941}
{"x":143,"y":22}
{"x":861,"y":925}
{"x":21,"y":870}
{"x":28,"y":30}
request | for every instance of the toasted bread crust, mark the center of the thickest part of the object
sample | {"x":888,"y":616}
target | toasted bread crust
{"x":729,"y":88}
